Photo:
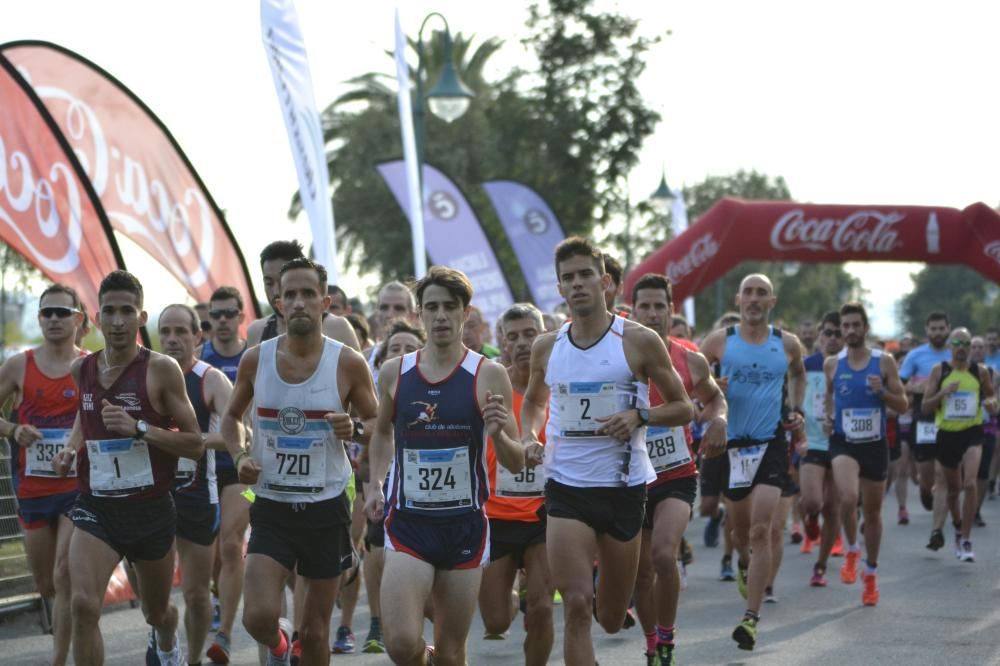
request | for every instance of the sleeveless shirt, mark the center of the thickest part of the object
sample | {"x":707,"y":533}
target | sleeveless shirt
{"x":196,"y":479}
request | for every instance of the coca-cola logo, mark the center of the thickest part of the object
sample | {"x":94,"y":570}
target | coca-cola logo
{"x":167,"y":215}
{"x":701,"y":251}
{"x":861,"y":231}
{"x":992,"y":250}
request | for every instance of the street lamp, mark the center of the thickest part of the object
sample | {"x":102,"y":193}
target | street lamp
{"x":448,"y":99}
{"x":662,"y":197}
{"x":659,"y":201}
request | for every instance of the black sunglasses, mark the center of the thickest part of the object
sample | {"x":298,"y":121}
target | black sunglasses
{"x":228,"y":313}
{"x":831,"y":333}
{"x":60,"y":311}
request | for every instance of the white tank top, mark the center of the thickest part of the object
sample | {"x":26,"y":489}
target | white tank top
{"x":301,"y":459}
{"x":586,"y":384}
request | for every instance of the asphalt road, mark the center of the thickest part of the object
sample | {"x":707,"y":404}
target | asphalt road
{"x":934,"y":610}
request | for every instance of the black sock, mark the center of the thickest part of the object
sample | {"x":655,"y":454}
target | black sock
{"x":751,"y":615}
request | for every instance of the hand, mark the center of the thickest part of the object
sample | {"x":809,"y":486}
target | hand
{"x":62,"y":462}
{"x":801,"y":442}
{"x":828,"y":424}
{"x":794,"y":421}
{"x":375,"y":502}
{"x":991,"y":405}
{"x":713,"y":442}
{"x":534,"y":454}
{"x":950,"y":388}
{"x":342,"y":424}
{"x":495,"y":414}
{"x":619,"y":426}
{"x":723,"y":383}
{"x":248,"y":470}
{"x":875,"y":384}
{"x":25,"y":435}
{"x":117,"y":420}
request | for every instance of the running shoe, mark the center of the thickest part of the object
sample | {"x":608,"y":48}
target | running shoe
{"x":937,"y":540}
{"x":726,"y":572}
{"x":979,"y":520}
{"x":374,"y":646}
{"x":711,"y":535}
{"x":344,"y":643}
{"x":651,"y":659}
{"x":664,"y":655}
{"x":807,"y":545}
{"x":629,"y":619}
{"x":769,"y":597}
{"x":966,"y":554}
{"x":429,"y":651}
{"x":812,"y":527}
{"x":172,"y":658}
{"x":838,"y":547}
{"x":556,"y":599}
{"x":741,"y":581}
{"x":904,"y":517}
{"x":796,"y":534}
{"x":849,"y":570}
{"x":927,"y":499}
{"x":495,"y":637}
{"x":152,"y":658}
{"x":745,"y":634}
{"x":285,"y":627}
{"x":869,"y":591}
{"x":687,"y":552}
{"x":216,"y":616}
{"x":218,"y":651}
{"x":958,"y":545}
{"x":818,"y":578}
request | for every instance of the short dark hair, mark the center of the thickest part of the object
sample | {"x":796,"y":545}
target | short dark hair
{"x":854,"y":308}
{"x":360,"y":325}
{"x":59,"y":288}
{"x":613,"y":267}
{"x":334,"y":290}
{"x":522,"y":311}
{"x":937,"y":315}
{"x":400,"y":326}
{"x":286,"y":250}
{"x":454,"y":280}
{"x":678,"y":319}
{"x":576,"y":246}
{"x":654,"y":281}
{"x":302,"y":262}
{"x":121,"y":281}
{"x":195,"y":320}
{"x":832,"y":317}
{"x":225,"y":293}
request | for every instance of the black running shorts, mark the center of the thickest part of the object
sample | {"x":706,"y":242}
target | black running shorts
{"x":310,"y":538}
{"x":951,"y":446}
{"x":617,"y":512}
{"x":513,"y":537}
{"x":197,"y":521}
{"x":872,"y":457}
{"x":682,"y":489}
{"x":137,"y":529}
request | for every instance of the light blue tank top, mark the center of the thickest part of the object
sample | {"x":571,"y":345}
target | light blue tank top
{"x":815,"y":405}
{"x":756,"y":378}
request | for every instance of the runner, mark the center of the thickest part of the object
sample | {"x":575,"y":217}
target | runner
{"x":615,"y":273}
{"x":755,"y":359}
{"x":126,"y":451}
{"x":671,"y":495}
{"x":475,"y":332}
{"x":594,"y":375}
{"x":516,"y":509}
{"x":224,"y":352}
{"x":978,"y":355}
{"x":339,"y":303}
{"x":861,"y":383}
{"x":303,"y":386}
{"x":819,"y":495}
{"x":436,"y":407}
{"x":45,"y":403}
{"x":957,"y":392}
{"x":195,"y":492}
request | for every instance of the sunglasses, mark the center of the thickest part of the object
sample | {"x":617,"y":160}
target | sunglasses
{"x":60,"y":311}
{"x":960,"y":343}
{"x":831,"y":333}
{"x":228,"y":313}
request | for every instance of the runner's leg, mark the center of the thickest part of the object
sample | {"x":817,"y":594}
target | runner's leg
{"x":406,"y":584}
{"x":455,"y":592}
{"x":196,"y":570}
{"x":156,"y":578}
{"x":494,"y":595}
{"x":571,"y":547}
{"x":232,"y":530}
{"x":538,"y":616}
{"x":93,"y":562}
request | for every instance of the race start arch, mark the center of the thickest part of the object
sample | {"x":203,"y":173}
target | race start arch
{"x":735,"y":230}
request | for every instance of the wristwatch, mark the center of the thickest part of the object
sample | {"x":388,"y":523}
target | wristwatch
{"x":359,"y":429}
{"x":141,"y":428}
{"x":643,"y":415}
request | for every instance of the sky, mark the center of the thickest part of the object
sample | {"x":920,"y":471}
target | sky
{"x":852,"y":102}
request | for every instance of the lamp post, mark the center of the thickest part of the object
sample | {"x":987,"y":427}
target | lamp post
{"x":448,"y":99}
{"x":659,"y":201}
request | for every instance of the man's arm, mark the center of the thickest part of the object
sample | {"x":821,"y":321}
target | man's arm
{"x":338,"y":328}
{"x":894,"y":395}
{"x":354,"y":381}
{"x":829,"y":368}
{"x":932,"y":397}
{"x":494,"y":393}
{"x":217,"y":393}
{"x":254,"y":331}
{"x":715,"y":412}
{"x":11,"y":378}
{"x":382,"y":446}
{"x":536,"y":398}
{"x":676,"y":409}
{"x":232,"y":418}
{"x":796,"y":379}
{"x":989,"y":393}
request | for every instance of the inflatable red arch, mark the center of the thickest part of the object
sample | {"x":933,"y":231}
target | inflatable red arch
{"x":734,"y":230}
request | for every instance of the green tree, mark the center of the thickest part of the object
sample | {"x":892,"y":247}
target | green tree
{"x":964,"y":295}
{"x":15,"y":274}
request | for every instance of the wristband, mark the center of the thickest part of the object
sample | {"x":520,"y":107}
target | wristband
{"x":239,"y":456}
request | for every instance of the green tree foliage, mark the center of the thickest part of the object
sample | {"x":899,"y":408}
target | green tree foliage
{"x":964,"y":295}
{"x":15,"y":274}
{"x":570,"y":128}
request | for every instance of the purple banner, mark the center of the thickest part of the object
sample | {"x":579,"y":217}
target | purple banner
{"x":453,"y":236}
{"x":534,"y":232}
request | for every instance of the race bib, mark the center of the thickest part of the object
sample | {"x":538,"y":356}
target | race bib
{"x":119,"y":467}
{"x":743,"y":465}
{"x":667,"y":448}
{"x":295,"y":464}
{"x":818,"y":410}
{"x":38,"y":457}
{"x":526,"y":484}
{"x":436,"y":479}
{"x":861,"y":425}
{"x":186,"y":469}
{"x":579,"y":404}
{"x":926,"y":432}
{"x":960,"y":406}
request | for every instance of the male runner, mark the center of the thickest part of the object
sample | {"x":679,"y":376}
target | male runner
{"x":861,"y":383}
{"x":395,"y":301}
{"x":516,"y":509}
{"x":978,"y":355}
{"x":303,"y":386}
{"x":671,"y":495}
{"x":819,"y":495}
{"x":474,"y":334}
{"x":45,"y":404}
{"x":195,"y":493}
{"x":615,"y":273}
{"x":755,"y":359}
{"x":594,"y":375}
{"x":126,"y":448}
{"x":436,"y":406}
{"x":956,"y":394}
{"x":339,"y":303}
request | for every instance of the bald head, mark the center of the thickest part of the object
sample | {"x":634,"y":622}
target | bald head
{"x":757,"y":279}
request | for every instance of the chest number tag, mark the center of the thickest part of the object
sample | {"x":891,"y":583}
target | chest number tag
{"x":295,"y":464}
{"x":119,"y":467}
{"x":436,"y":479}
{"x":580,"y":404}
{"x":667,"y":448}
{"x":960,"y":406}
{"x":743,"y":465}
{"x":861,"y":425}
{"x":38,"y":457}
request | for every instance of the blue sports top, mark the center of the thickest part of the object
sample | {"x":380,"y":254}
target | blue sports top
{"x":756,"y":374}
{"x":859,"y":414}
{"x":921,"y":360}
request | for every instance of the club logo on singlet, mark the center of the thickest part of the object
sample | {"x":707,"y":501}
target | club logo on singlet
{"x":292,"y":420}
{"x":428,"y":413}
{"x":87,"y":402}
{"x":69,"y":393}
